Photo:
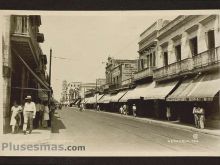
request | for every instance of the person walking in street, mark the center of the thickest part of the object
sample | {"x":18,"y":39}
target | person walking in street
{"x":15,"y":117}
{"x":46,"y":115}
{"x":29,"y":113}
{"x":134,"y":109}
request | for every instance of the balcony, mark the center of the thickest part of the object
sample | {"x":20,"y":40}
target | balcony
{"x":174,"y":69}
{"x":146,"y":72}
{"x":207,"y":59}
{"x":24,"y":39}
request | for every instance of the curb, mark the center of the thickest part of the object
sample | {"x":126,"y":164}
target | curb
{"x":163,"y":123}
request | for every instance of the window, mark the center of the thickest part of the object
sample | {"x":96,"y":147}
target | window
{"x":165,"y":58}
{"x":194,"y":46}
{"x":211,"y":39}
{"x":178,"y":52}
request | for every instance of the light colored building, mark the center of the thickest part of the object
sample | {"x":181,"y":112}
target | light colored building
{"x":147,"y":51}
{"x":119,"y":73}
{"x":187,"y":44}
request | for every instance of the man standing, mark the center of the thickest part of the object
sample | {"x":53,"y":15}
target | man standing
{"x":29,"y":113}
{"x":195,"y":113}
{"x":201,"y":117}
{"x":134,"y":108}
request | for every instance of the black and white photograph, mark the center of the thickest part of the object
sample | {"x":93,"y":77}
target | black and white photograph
{"x":110,"y":83}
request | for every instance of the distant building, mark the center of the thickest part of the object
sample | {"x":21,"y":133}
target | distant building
{"x":119,"y":73}
{"x":76,"y":90}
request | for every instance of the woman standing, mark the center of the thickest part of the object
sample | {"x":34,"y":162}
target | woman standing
{"x":16,"y":116}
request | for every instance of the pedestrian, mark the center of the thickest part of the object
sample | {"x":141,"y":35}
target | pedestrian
{"x":29,"y":113}
{"x":98,"y":108}
{"x":15,"y":117}
{"x":134,"y":109}
{"x":195,"y":113}
{"x":121,"y":110}
{"x":168,"y":113}
{"x":201,"y":117}
{"x":41,"y":114}
{"x":46,"y":115}
{"x":36,"y":120}
{"x":125,"y":109}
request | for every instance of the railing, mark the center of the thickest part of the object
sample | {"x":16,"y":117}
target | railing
{"x":174,"y":68}
{"x":23,"y":27}
{"x":146,"y":72}
{"x":207,"y":58}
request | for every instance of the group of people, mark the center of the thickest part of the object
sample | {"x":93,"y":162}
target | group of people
{"x":123,"y":110}
{"x":34,"y":115}
{"x":199,"y":116}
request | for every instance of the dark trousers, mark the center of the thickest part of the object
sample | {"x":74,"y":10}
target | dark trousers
{"x":36,"y":120}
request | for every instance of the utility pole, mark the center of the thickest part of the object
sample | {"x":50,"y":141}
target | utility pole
{"x":50,"y":67}
{"x":49,"y":99}
{"x":96,"y":93}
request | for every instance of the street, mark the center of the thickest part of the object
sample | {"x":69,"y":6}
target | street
{"x":106,"y":133}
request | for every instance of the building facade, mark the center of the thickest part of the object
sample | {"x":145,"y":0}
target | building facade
{"x":119,"y":73}
{"x":24,"y":64}
{"x":178,"y":66}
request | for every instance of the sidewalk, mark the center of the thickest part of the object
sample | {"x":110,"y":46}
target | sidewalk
{"x":37,"y":136}
{"x":173,"y":124}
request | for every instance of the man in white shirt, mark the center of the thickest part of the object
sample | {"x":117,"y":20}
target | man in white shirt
{"x":29,"y":113}
{"x":134,"y":108}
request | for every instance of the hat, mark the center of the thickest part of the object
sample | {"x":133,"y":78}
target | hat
{"x":28,"y":98}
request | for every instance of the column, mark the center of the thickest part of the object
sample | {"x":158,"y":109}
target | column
{"x":6,"y":73}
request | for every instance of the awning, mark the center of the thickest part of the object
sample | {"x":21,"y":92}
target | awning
{"x":200,"y":88}
{"x":118,"y":96}
{"x":32,"y":72}
{"x":160,"y":91}
{"x":105,"y":99}
{"x":92,"y":100}
{"x":137,"y":93}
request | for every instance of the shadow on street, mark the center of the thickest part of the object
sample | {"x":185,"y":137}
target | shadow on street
{"x":57,"y":124}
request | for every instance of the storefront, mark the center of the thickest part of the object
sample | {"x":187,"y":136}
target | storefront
{"x":150,"y":98}
{"x":114,"y":102}
{"x":203,"y":89}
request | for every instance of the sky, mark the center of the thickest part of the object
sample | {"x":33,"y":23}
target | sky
{"x":84,"y":41}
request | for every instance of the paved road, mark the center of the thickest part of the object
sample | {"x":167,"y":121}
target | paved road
{"x":104,"y":133}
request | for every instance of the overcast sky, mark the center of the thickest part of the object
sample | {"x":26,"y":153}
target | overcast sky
{"x":86,"y":41}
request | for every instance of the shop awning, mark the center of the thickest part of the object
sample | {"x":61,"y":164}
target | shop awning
{"x":105,"y":99}
{"x":137,"y":93}
{"x":44,"y":84}
{"x":118,"y":96}
{"x":200,"y":88}
{"x":160,"y":91}
{"x":92,"y":100}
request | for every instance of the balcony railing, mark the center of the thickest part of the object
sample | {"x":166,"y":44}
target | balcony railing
{"x":146,"y":72}
{"x":207,"y":58}
{"x":174,"y":68}
{"x":23,"y":28}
